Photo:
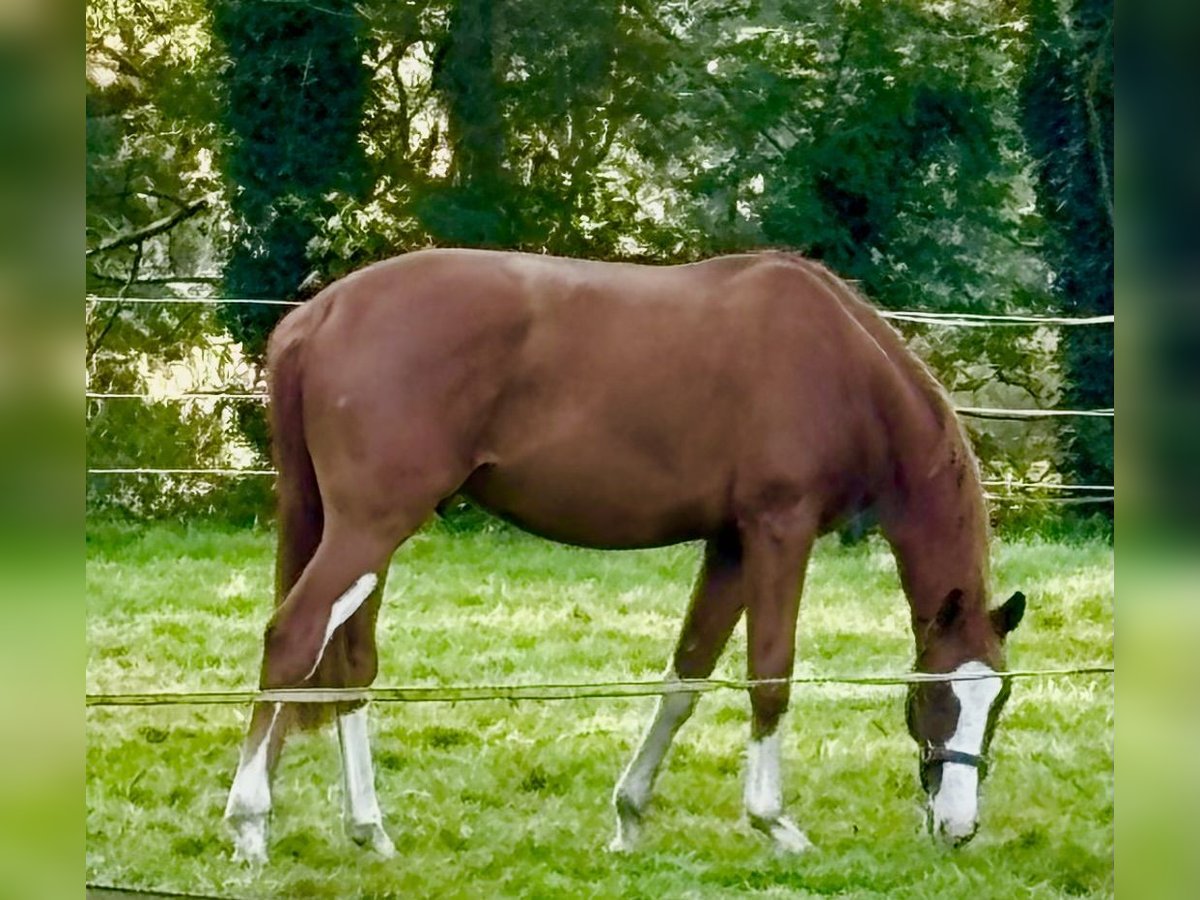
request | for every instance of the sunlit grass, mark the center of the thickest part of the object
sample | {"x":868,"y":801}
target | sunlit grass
{"x":511,"y":799}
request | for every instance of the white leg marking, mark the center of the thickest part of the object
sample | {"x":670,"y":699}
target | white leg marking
{"x":764,"y":796}
{"x":634,"y":787}
{"x":364,"y":821}
{"x":956,"y":804}
{"x":250,"y":800}
{"x":343,"y":608}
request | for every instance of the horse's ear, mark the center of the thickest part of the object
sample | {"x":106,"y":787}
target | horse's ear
{"x":951,"y":608}
{"x":1008,"y":616}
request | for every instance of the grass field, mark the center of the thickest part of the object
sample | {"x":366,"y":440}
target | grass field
{"x":512,"y":799}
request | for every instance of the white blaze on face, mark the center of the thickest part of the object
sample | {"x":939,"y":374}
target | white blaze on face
{"x":343,"y":608}
{"x":956,"y":804}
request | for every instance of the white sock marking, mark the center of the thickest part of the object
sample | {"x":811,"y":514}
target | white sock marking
{"x":364,"y":821}
{"x":251,"y":791}
{"x":343,"y":608}
{"x":764,"y":783}
{"x":956,"y":804}
{"x":250,"y":799}
{"x":358,"y":774}
{"x":637,"y":781}
{"x":670,"y":713}
{"x":764,"y":795}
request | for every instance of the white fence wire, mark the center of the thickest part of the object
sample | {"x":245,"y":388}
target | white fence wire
{"x":961,"y":320}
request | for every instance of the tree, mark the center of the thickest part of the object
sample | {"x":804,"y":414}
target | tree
{"x":295,"y":89}
{"x":1067,"y":106}
{"x":472,"y":208}
{"x":154,"y":208}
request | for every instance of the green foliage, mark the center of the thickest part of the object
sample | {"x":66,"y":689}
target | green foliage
{"x":151,"y":130}
{"x":1067,"y":106}
{"x":512,"y":799}
{"x":471,"y":208}
{"x":293,"y":104}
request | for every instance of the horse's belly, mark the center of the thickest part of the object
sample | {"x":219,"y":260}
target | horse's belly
{"x":603,"y":507}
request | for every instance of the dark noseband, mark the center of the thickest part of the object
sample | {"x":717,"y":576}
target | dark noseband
{"x":931,"y":754}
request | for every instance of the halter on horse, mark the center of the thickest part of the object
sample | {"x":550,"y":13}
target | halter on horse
{"x":750,"y":402}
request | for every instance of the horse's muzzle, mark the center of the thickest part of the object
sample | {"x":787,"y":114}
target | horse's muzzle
{"x":952,"y":834}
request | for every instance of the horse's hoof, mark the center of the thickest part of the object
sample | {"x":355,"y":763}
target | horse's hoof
{"x":621,"y":843}
{"x":784,"y":834}
{"x":372,"y":836}
{"x":249,"y":840}
{"x":629,"y":825}
{"x":249,"y":856}
{"x":790,"y":839}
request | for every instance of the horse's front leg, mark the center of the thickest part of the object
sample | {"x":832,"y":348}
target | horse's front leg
{"x":777,"y":546}
{"x":637,"y":781}
{"x":715,"y":609}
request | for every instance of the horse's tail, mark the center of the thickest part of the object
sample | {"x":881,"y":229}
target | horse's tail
{"x":301,"y":513}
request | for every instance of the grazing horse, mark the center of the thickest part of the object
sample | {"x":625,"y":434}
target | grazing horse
{"x":751,"y":402}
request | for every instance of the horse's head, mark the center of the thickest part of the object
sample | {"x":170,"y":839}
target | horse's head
{"x":952,"y":722}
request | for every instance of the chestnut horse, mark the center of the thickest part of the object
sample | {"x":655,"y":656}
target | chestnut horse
{"x":751,"y":402}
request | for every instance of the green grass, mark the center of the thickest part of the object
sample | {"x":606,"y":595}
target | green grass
{"x":512,"y":799}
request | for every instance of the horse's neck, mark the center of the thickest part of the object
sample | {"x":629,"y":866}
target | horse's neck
{"x":937,"y":528}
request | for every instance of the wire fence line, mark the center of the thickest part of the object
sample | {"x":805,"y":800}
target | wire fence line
{"x":577,"y":690}
{"x":182,"y":395}
{"x":1044,"y":486}
{"x":1030,"y":487}
{"x":94,"y":891}
{"x":192,"y":301}
{"x":1051,"y":486}
{"x":987,"y":412}
{"x":1056,"y":501}
{"x":979,"y":412}
{"x":977,"y":320}
{"x":167,"y":472}
{"x":919,"y":316}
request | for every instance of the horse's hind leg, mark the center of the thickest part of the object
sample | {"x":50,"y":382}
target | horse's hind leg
{"x":305,"y":644}
{"x":361,"y":813}
{"x":776,"y":546}
{"x":301,"y":521}
{"x":341,"y":578}
{"x":715,"y":608}
{"x":249,"y":804}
